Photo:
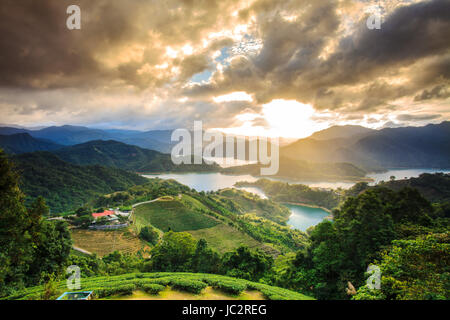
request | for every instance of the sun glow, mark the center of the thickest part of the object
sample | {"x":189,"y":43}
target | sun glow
{"x":291,"y":119}
{"x":279,"y":118}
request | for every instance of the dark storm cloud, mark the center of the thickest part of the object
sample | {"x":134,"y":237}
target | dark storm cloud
{"x":38,"y":51}
{"x":410,"y":33}
{"x":423,"y":117}
{"x":36,"y":44}
{"x":356,"y":75}
{"x":119,"y":61}
{"x":438,"y":92}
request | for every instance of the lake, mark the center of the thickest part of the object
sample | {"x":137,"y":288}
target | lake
{"x":302,"y":217}
{"x":205,"y":181}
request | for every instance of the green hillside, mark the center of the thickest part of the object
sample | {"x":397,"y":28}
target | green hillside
{"x":154,"y":283}
{"x":227,"y":219}
{"x":66,"y":186}
{"x":246,"y":202}
{"x":188,"y":214}
{"x":172,"y":215}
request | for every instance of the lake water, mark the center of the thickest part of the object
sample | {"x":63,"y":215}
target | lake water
{"x":205,"y":181}
{"x":304,"y":217}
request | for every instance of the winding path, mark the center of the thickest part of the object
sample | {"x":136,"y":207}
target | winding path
{"x":138,"y":204}
{"x":81,"y":250}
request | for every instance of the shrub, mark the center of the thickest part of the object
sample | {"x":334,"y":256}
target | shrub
{"x":152,"y":288}
{"x":231,"y":287}
{"x":149,"y":234}
{"x":192,"y":286}
{"x":125,"y":289}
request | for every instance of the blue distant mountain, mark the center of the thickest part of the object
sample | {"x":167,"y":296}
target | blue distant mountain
{"x":406,"y":147}
{"x":158,"y":140}
{"x":22,"y":143}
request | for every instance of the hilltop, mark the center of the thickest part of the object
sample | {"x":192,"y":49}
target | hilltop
{"x":128,"y":157}
{"x":24,"y":142}
{"x":66,"y":186}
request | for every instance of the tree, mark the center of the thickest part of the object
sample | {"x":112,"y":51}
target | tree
{"x":173,"y":253}
{"x":149,"y":234}
{"x":205,"y":260}
{"x":31,"y":247}
{"x":51,"y":251}
{"x":413,"y":270}
{"x":246,"y":264}
{"x":83,"y":211}
{"x":15,"y":239}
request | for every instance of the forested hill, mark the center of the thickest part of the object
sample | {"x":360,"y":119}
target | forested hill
{"x":66,"y":186}
{"x":23,"y":142}
{"x":128,"y":157}
{"x":306,"y":171}
{"x":434,"y":187}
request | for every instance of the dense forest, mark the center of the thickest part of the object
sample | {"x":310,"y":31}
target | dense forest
{"x":295,"y":193}
{"x":124,"y":156}
{"x":66,"y":186}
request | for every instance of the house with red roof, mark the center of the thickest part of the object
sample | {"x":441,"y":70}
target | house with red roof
{"x":106,"y":213}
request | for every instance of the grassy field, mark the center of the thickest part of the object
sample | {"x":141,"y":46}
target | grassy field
{"x":104,"y":242}
{"x":224,"y":238}
{"x":171,"y":214}
{"x":164,"y":285}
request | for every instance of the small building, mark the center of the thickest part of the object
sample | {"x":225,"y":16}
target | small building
{"x":106,"y":213}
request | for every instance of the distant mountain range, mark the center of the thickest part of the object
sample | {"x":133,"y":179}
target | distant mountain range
{"x":369,"y":149}
{"x":407,"y":147}
{"x":67,"y":135}
{"x":336,"y":132}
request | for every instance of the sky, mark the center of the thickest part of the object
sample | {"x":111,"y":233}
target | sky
{"x":282,"y":68}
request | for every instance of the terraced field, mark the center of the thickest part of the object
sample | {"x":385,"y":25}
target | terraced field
{"x":104,"y":242}
{"x":224,"y":238}
{"x":168,"y":286}
{"x":172,"y":215}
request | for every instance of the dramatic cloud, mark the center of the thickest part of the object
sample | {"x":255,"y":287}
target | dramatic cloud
{"x":163,"y":64}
